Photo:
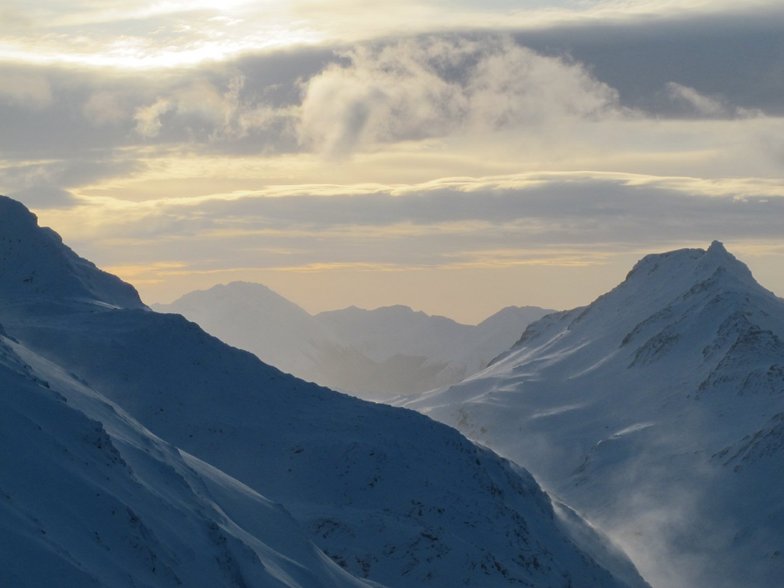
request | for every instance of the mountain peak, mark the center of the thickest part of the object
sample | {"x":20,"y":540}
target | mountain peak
{"x":718,"y":259}
{"x":11,"y":209}
{"x":659,"y":280}
{"x":35,"y":265}
{"x":682,"y":269}
{"x":717,"y":255}
{"x":239,"y":289}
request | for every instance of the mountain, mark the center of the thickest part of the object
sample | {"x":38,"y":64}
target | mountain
{"x":114,"y":413}
{"x":657,"y":410}
{"x":254,"y":318}
{"x":391,"y":331}
{"x":374,"y":354}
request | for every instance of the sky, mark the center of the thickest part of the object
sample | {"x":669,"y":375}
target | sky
{"x":452,"y":155}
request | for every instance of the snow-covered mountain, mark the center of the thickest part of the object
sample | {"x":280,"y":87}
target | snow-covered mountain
{"x":658,"y":411}
{"x":375,"y":354}
{"x":102,"y":398}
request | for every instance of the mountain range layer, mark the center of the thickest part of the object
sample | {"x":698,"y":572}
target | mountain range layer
{"x":374,"y":354}
{"x":142,"y":451}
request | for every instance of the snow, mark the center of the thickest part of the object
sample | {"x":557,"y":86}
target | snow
{"x":632,"y":408}
{"x":91,"y":498}
{"x":147,"y":452}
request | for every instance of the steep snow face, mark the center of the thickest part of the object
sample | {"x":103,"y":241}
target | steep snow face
{"x":375,"y":354}
{"x":35,"y":265}
{"x":387,"y":494}
{"x":88,"y":497}
{"x":655,"y":411}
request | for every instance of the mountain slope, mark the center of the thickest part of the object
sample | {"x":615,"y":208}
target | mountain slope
{"x":375,"y":354}
{"x":386,"y":493}
{"x":656,"y":410}
{"x":90,"y":498}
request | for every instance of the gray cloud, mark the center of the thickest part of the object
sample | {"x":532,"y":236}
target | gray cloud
{"x":602,"y":206}
{"x":341,"y":99}
{"x":25,"y":89}
{"x":79,"y":111}
{"x":737,"y":62}
{"x":737,"y":57}
{"x":47,"y":184}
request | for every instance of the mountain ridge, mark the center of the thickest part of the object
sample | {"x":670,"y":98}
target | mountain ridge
{"x":45,"y":264}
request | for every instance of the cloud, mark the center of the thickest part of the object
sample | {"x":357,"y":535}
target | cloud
{"x":463,"y":246}
{"x":438,"y":245}
{"x":148,"y":118}
{"x":533,"y":210}
{"x":432,"y":87}
{"x":730,"y":57}
{"x":417,"y":108}
{"x":701,"y":105}
{"x":375,"y":94}
{"x":49,"y":184}
{"x":704,"y":105}
{"x":105,"y":108}
{"x":189,"y":109}
{"x":27,"y":90}
{"x":145,"y":35}
{"x":210,"y":112}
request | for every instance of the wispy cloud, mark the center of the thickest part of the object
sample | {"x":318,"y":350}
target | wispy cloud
{"x":626,"y":200}
{"x":695,"y":103}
